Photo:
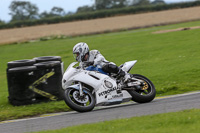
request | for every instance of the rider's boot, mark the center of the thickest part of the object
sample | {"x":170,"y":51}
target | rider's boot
{"x":112,"y":68}
{"x":127,"y":77}
{"x":124,"y":75}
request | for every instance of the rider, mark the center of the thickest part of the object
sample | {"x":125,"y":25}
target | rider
{"x":94,"y":57}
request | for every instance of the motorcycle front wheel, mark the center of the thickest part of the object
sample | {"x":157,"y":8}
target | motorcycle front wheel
{"x":83,"y":103}
{"x":144,"y":93}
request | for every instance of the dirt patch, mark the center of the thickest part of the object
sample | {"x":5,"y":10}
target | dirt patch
{"x":100,"y":25}
{"x":179,"y":29}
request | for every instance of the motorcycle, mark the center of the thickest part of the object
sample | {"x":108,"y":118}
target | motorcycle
{"x":89,"y":86}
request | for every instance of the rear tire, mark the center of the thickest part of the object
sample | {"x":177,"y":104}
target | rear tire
{"x":147,"y":94}
{"x":77,"y":103}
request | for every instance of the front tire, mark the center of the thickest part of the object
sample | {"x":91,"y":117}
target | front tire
{"x":79,"y":103}
{"x":147,"y":92}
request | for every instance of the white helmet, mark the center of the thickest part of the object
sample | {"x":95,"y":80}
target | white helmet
{"x":80,"y":50}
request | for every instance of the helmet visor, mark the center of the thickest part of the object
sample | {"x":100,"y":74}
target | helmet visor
{"x":76,"y":56}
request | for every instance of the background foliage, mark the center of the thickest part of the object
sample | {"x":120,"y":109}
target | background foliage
{"x":56,"y":15}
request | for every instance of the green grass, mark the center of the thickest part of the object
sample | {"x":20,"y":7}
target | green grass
{"x":177,"y":122}
{"x":170,"y":60}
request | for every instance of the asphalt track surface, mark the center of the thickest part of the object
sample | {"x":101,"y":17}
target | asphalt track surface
{"x":131,"y":109}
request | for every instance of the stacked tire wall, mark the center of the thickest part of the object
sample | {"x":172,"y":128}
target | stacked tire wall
{"x":35,"y":80}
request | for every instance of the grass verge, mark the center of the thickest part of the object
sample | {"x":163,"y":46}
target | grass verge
{"x":171,"y":60}
{"x":186,"y":121}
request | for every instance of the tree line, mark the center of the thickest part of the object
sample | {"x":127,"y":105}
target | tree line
{"x":24,"y":10}
{"x":26,"y":13}
{"x":110,"y":4}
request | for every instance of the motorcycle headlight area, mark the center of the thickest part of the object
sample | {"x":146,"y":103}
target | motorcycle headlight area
{"x":108,"y":84}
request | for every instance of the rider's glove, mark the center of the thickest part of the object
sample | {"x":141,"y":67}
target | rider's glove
{"x":89,"y":63}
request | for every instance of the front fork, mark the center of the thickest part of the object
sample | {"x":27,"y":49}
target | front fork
{"x":81,"y":89}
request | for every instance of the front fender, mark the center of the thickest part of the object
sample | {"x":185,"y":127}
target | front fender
{"x":77,"y":87}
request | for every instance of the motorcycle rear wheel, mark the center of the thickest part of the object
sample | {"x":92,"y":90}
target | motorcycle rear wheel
{"x":79,"y":103}
{"x":147,"y":92}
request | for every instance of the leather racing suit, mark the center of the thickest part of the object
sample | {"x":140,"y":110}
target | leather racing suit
{"x":98,"y":59}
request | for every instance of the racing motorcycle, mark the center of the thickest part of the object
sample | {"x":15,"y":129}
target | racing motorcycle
{"x":89,"y":86}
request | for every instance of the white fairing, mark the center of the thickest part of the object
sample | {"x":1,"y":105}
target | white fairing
{"x":104,"y":86}
{"x":128,"y":65}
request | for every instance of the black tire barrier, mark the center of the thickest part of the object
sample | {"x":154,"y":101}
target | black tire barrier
{"x":50,"y":58}
{"x":19,"y":80}
{"x":49,"y":82}
{"x":20,"y":63}
{"x":35,"y":80}
{"x":47,"y":58}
